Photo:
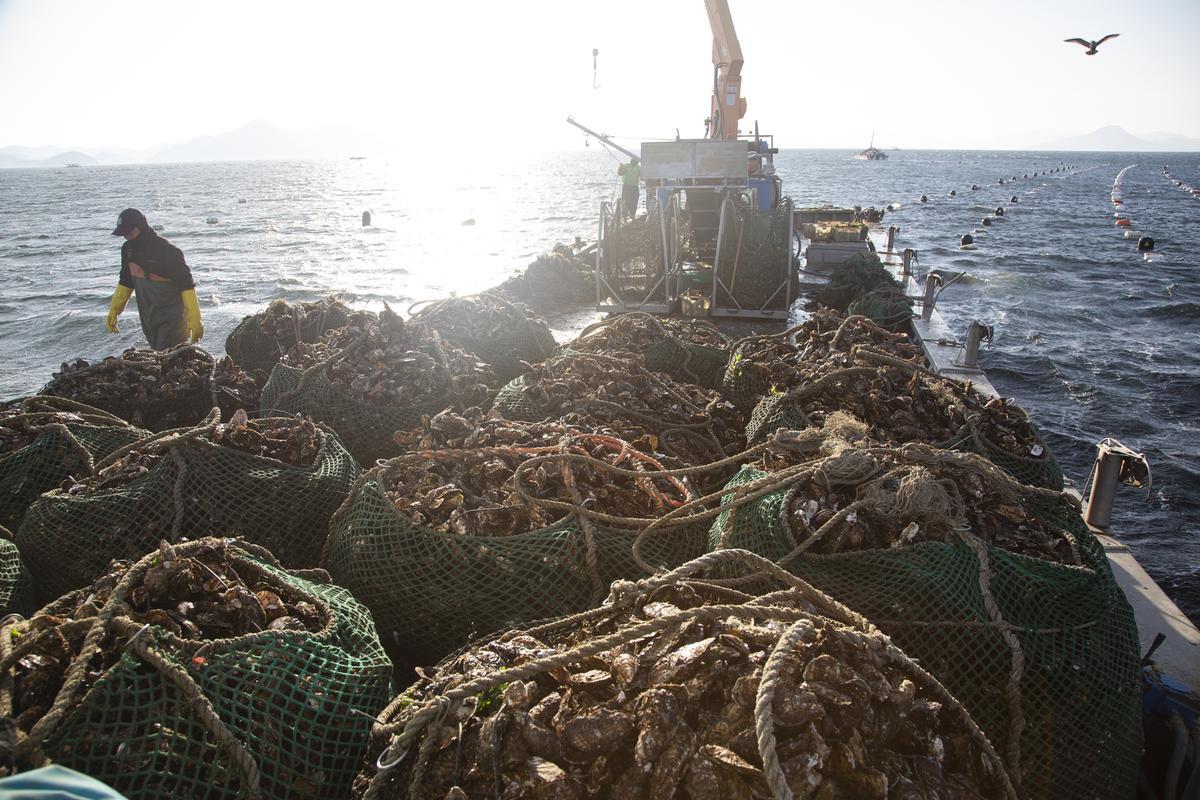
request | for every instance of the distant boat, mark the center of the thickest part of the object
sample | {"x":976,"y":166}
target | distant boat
{"x":358,"y":158}
{"x":872,"y":153}
{"x":73,"y":165}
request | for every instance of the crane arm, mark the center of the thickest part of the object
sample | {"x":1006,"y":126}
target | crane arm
{"x":728,"y":106}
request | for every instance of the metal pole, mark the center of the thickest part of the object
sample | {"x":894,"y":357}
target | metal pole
{"x":602,"y":138}
{"x":906,"y":267}
{"x":932,"y":282}
{"x":1104,"y":486}
{"x":891,"y":237}
{"x":976,"y":333}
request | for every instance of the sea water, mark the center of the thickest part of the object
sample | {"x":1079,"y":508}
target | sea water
{"x":1092,"y":337}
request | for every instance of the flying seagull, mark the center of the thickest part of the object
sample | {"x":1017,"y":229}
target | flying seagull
{"x":1091,"y":46}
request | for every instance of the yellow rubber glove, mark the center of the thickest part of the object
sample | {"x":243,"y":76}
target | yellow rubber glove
{"x":191,"y":310}
{"x":119,"y":299}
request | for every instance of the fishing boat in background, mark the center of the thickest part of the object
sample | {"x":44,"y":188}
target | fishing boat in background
{"x":872,"y":153}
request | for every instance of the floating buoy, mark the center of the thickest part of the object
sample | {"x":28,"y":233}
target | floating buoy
{"x":211,"y":220}
{"x":966,"y":240}
{"x":1117,"y":201}
{"x":241,"y":201}
{"x":1002,"y":181}
{"x":924,"y":199}
{"x":987,"y":221}
{"x":1123,"y":223}
{"x":1013,"y":199}
{"x":890,"y":207}
{"x":1145,"y":244}
{"x":999,"y":211}
{"x":366,"y":219}
{"x":1026,"y":175}
{"x":953,"y":193}
{"x":974,"y":187}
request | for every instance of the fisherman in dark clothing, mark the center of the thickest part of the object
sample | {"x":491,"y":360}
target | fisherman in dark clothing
{"x":166,"y":294}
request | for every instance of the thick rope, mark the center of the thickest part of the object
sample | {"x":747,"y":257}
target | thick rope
{"x":1012,"y":690}
{"x":764,"y":707}
{"x":199,"y":705}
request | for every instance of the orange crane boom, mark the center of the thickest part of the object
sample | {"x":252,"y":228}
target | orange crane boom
{"x":728,"y":106}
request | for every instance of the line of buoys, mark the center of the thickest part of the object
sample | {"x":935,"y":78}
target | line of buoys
{"x":1193,"y":191}
{"x":967,"y":241}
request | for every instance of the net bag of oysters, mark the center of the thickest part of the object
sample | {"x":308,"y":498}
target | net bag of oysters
{"x":682,"y":686}
{"x":503,"y":334}
{"x":689,"y":350}
{"x":153,"y":389}
{"x":16,"y":588}
{"x":996,"y":587}
{"x":274,"y":481}
{"x":378,"y":376}
{"x":203,"y":670}
{"x":259,"y":340}
{"x":692,"y":425}
{"x":770,"y":365}
{"x":44,"y":441}
{"x":449,"y":544}
{"x":905,"y":402}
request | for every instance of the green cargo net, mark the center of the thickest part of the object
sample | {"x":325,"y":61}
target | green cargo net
{"x":196,"y":488}
{"x":256,"y":350}
{"x":431,"y":591}
{"x":66,"y":438}
{"x":270,"y":714}
{"x":503,"y":334}
{"x":1043,"y":654}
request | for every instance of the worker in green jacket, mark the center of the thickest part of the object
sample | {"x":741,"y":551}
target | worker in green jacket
{"x":631,"y":177}
{"x":166,"y":294}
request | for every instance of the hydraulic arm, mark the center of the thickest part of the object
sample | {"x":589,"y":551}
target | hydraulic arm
{"x":728,"y":105}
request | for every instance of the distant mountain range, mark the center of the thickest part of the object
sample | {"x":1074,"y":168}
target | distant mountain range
{"x":254,"y":141}
{"x":1117,"y":139}
{"x":261,"y":140}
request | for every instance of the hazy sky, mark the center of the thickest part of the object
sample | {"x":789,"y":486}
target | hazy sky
{"x":817,"y":74}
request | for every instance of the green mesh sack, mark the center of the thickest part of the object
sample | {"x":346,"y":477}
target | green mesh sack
{"x":687,"y":362}
{"x":522,"y":340}
{"x":280,"y":714}
{"x":850,"y":281}
{"x":886,"y":305}
{"x":253,"y":350}
{"x":71,"y":437}
{"x":197,"y":489}
{"x":366,"y":430}
{"x":772,"y":413}
{"x":16,"y":588}
{"x":1050,"y":672}
{"x":430,"y":592}
{"x":1042,"y":470}
{"x":512,"y":403}
{"x":740,"y":386}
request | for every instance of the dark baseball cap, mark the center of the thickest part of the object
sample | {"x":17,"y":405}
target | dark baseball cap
{"x":129,"y":219}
